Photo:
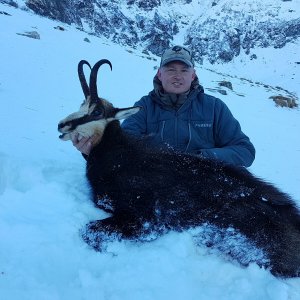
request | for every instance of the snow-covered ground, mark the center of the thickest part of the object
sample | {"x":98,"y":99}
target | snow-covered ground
{"x":44,"y":197}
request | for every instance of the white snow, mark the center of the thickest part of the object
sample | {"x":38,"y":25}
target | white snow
{"x":44,"y":196}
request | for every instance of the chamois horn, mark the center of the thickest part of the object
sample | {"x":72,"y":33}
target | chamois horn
{"x":93,"y":78}
{"x":84,"y":85}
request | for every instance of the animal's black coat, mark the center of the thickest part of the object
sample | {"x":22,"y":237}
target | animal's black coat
{"x":147,"y":191}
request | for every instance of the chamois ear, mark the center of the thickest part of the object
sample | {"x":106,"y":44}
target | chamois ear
{"x":123,"y":113}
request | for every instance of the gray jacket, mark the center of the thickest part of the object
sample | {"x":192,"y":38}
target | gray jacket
{"x":196,"y":123}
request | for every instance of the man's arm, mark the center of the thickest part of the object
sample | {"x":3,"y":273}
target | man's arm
{"x":137,"y":123}
{"x":232,"y":145}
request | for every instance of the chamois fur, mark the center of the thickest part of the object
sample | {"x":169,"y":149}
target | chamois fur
{"x":151,"y":191}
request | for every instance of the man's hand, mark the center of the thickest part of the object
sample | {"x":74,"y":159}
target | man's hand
{"x":84,"y":145}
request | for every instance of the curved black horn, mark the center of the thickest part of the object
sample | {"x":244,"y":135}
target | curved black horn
{"x":84,"y":85}
{"x":93,"y":78}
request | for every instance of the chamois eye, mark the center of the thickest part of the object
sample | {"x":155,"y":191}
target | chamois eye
{"x":97,"y":112}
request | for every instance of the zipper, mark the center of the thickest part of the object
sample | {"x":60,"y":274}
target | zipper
{"x":189,"y":125}
{"x":176,"y":123}
{"x":162,"y":130}
{"x":176,"y":129}
{"x":190,"y":131}
{"x":190,"y":137}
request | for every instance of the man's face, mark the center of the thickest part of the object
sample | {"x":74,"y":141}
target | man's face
{"x":176,"y":77}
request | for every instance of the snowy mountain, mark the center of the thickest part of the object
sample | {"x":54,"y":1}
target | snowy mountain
{"x":44,"y":196}
{"x":216,"y":30}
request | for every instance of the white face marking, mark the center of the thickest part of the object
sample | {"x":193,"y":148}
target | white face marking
{"x":88,"y":129}
{"x":92,"y":128}
{"x":83,"y":110}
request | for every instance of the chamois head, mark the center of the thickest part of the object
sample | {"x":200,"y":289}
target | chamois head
{"x":95,"y":112}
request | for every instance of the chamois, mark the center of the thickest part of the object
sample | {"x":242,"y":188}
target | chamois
{"x":151,"y":191}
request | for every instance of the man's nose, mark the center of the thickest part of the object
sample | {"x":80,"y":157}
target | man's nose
{"x":177,"y":74}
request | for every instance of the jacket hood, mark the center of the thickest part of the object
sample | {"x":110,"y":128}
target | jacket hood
{"x":173,"y":101}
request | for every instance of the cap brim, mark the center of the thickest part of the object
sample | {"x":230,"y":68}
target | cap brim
{"x":187,"y":62}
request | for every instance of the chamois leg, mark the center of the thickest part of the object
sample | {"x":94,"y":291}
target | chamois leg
{"x":98,"y":233}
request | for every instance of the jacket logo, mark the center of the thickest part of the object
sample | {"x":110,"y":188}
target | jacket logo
{"x":203,"y":125}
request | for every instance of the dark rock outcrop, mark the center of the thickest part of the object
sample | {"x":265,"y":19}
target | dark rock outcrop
{"x":217,"y":32}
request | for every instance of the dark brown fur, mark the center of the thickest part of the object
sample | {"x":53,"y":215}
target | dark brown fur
{"x":153,"y":191}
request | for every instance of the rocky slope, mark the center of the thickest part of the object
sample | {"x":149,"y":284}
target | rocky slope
{"x":217,"y":30}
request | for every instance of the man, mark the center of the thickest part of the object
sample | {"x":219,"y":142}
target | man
{"x":179,"y":114}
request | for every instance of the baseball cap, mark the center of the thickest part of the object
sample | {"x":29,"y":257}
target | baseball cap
{"x":177,"y":53}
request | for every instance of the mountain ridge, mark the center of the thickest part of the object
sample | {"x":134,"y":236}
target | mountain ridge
{"x":216,"y":30}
